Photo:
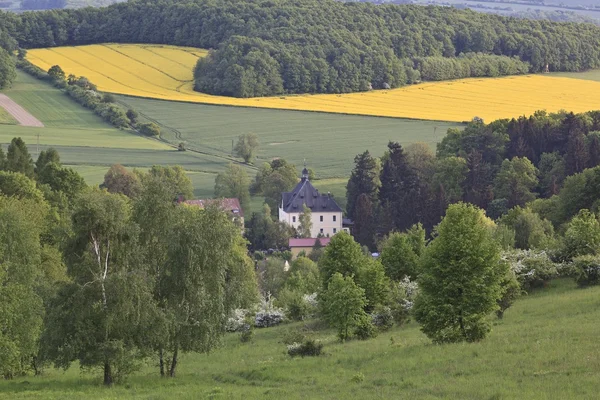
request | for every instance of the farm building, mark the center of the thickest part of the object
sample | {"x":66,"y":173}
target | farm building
{"x":326,"y":213}
{"x":298,"y":246}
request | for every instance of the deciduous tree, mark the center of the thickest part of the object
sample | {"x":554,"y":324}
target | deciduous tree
{"x":461,"y":276}
{"x":343,"y":304}
{"x":246,"y":147}
{"x":234,"y":182}
{"x":119,"y":180}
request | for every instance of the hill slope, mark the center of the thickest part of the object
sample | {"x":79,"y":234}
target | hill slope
{"x":545,"y":348}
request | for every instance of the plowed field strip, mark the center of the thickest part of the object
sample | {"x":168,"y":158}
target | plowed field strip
{"x":23,"y":117}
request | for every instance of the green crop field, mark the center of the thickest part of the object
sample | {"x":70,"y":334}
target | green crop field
{"x":592,"y":75}
{"x":6,"y":118}
{"x":546,"y":347}
{"x":87,"y":143}
{"x":328,"y":142}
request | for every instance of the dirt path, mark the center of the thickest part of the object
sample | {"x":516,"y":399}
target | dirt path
{"x":18,"y":112}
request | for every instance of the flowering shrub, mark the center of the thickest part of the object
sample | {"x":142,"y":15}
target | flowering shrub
{"x":403,"y":295}
{"x":308,"y":347}
{"x":382,"y":318}
{"x":268,"y":315}
{"x":533,"y":268}
{"x":237,"y":322}
{"x":586,"y":270}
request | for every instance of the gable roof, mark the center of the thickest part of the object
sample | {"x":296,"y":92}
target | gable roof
{"x":308,"y":242}
{"x":305,"y":193}
{"x":228,"y":204}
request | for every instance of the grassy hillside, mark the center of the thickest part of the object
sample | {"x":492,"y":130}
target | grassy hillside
{"x":545,"y":348}
{"x":328,"y":142}
{"x":86,"y":142}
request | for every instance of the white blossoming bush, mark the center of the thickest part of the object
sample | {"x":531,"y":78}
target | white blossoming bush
{"x":533,"y":268}
{"x":268,"y":315}
{"x":308,"y":347}
{"x":403,"y":295}
{"x":237,"y":322}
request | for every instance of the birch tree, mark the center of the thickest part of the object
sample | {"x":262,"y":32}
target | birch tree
{"x":202,"y":246}
{"x":106,"y":317}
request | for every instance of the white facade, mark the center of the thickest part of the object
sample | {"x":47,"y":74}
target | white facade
{"x":323,"y":223}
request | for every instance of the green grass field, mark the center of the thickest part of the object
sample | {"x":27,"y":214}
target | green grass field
{"x":592,"y":75}
{"x":6,"y":118}
{"x":546,"y":347}
{"x":328,"y":142}
{"x":90,"y":145}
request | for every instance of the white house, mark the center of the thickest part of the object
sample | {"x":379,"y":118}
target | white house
{"x":326,"y":214}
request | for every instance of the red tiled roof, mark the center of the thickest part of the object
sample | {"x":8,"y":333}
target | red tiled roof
{"x":228,"y":204}
{"x":308,"y":242}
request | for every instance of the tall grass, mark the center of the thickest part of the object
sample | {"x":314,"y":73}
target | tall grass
{"x":546,"y":347}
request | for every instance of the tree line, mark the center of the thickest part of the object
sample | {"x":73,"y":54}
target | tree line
{"x":111,"y":277}
{"x":267,"y":48}
{"x":545,"y":161}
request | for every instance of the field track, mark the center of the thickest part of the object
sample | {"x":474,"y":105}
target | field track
{"x":19,"y":113}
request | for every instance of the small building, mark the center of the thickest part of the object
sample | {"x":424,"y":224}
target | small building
{"x":231,"y":205}
{"x":298,"y":246}
{"x":326,"y":214}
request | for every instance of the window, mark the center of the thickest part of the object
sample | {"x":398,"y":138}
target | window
{"x":334,"y":230}
{"x":321,"y":218}
{"x":293,"y":219}
{"x":321,"y":230}
{"x":334,"y":218}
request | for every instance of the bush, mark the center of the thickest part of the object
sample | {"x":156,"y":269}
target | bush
{"x":108,"y":98}
{"x":297,"y":308}
{"x":268,"y":315}
{"x":292,"y":336}
{"x":308,"y":348}
{"x":150,"y":129}
{"x":238,"y":321}
{"x":365,"y":329}
{"x":586,"y":270}
{"x":181,"y":146}
{"x":402,"y":299}
{"x":247,"y":334}
{"x":383,"y":318}
{"x":533,"y":269}
{"x":511,"y":290}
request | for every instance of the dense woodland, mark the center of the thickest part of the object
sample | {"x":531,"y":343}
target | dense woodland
{"x":274,"y":47}
{"x":545,"y":164}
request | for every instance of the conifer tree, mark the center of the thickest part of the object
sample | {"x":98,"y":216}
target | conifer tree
{"x":400,"y":190}
{"x":18,"y":158}
{"x":364,"y":179}
{"x":364,"y":222}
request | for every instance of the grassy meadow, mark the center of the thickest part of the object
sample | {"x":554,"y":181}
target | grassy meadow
{"x":546,"y":347}
{"x":166,"y":72}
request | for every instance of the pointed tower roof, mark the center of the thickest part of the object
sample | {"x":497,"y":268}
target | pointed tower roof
{"x":305,"y":194}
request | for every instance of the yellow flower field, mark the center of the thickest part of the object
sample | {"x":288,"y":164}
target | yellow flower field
{"x":166,"y":72}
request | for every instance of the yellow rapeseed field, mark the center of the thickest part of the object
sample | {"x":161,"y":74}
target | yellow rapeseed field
{"x":166,"y":72}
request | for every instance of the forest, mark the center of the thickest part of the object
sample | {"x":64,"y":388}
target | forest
{"x":275,"y":47}
{"x":532,"y":174}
